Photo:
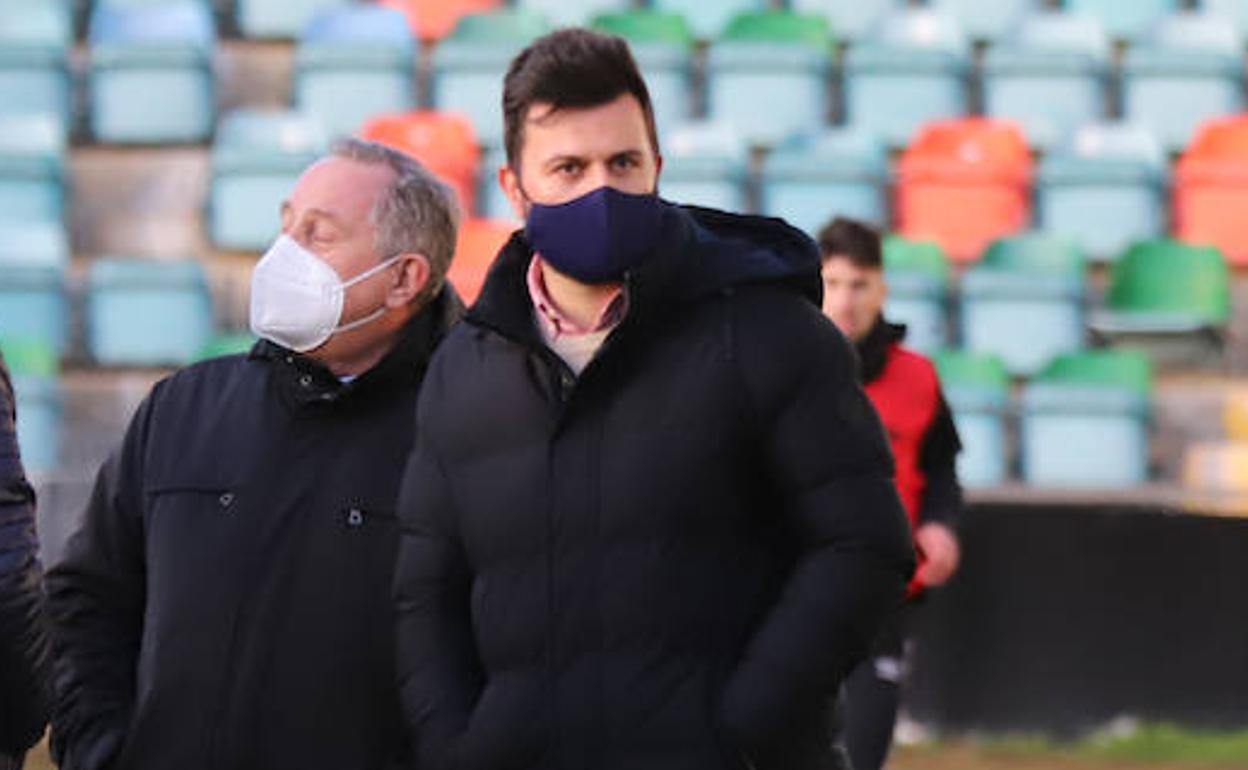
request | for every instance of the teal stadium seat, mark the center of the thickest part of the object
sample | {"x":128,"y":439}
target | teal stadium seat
{"x":1234,"y":11}
{"x":151,"y":78}
{"x":987,"y":19}
{"x":128,"y":298}
{"x":35,"y":36}
{"x":1187,"y":71}
{"x":917,"y":273}
{"x":355,"y":62}
{"x":814,"y":177}
{"x":1104,"y":188}
{"x":1024,"y":302}
{"x":468,"y":66}
{"x":708,"y":18}
{"x":255,"y":162}
{"x":1084,"y":421}
{"x":977,"y":389}
{"x":663,"y":45}
{"x":705,"y":164}
{"x":278,"y":19}
{"x":32,"y":168}
{"x":1125,"y":19}
{"x":768,"y":75}
{"x":33,"y":258}
{"x":33,"y":366}
{"x":1049,"y":75}
{"x":912,"y":69}
{"x":850,"y":19}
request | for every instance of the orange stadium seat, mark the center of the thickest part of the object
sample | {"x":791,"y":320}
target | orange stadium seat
{"x":479,"y":242}
{"x":964,"y":183}
{"x":434,"y":19}
{"x":1211,"y":189}
{"x":444,"y":142}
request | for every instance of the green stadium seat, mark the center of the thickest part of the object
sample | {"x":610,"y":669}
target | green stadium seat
{"x":663,"y":45}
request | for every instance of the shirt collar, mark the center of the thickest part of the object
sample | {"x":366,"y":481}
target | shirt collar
{"x":555,"y":323}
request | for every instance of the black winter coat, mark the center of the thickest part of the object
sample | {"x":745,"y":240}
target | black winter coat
{"x":668,"y":563}
{"x":226,"y":604}
{"x":23,"y":637}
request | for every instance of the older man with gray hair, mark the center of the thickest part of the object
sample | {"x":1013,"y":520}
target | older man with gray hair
{"x":226,"y":602}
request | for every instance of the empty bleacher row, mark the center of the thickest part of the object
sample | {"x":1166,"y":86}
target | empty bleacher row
{"x":801,"y":110}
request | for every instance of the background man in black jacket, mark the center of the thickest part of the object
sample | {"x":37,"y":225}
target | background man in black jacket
{"x":906,"y":392}
{"x":23,"y":638}
{"x":649,"y":523}
{"x":226,"y":604}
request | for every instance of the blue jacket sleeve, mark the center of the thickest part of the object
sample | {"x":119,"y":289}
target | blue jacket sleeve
{"x":24,"y":657}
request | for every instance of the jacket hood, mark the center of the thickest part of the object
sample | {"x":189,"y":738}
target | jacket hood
{"x":700,"y":252}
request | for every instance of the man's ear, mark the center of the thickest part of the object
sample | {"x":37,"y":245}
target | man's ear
{"x":509,"y":181}
{"x":413,"y":277}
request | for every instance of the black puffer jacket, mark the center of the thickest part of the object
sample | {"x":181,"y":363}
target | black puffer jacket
{"x":226,"y":605}
{"x":667,"y":563}
{"x":23,"y":637}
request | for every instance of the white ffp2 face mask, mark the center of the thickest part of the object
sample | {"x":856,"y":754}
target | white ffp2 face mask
{"x":297,"y":297}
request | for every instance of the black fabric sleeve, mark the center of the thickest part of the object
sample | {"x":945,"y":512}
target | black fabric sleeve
{"x":828,"y":461}
{"x":96,"y":596}
{"x":440,"y":676}
{"x":942,"y":497}
{"x":24,"y":655}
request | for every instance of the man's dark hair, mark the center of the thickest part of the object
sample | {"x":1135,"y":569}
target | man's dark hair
{"x":853,"y":240}
{"x":570,"y":68}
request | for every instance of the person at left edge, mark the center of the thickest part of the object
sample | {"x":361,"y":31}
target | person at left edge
{"x":226,"y":603}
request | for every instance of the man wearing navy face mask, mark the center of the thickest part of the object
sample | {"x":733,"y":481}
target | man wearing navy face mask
{"x":649,"y":521}
{"x":226,"y":604}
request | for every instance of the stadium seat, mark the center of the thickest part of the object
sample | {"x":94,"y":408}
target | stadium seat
{"x":977,"y":389}
{"x":355,"y":62}
{"x":1234,"y":11}
{"x":435,"y":19}
{"x":468,"y":66}
{"x":126,"y":296}
{"x":910,"y":70}
{"x":986,"y":19}
{"x":1105,"y":189}
{"x":850,"y":19}
{"x":278,"y":19}
{"x":479,"y":242}
{"x":964,"y":183}
{"x":767,"y":75}
{"x":1188,"y":70}
{"x":35,"y":36}
{"x":840,"y":172}
{"x":1124,"y":19}
{"x":32,"y":168}
{"x":663,"y":47}
{"x":255,"y":162}
{"x":444,"y":143}
{"x":1171,"y":299}
{"x":34,"y":244}
{"x":917,"y":273}
{"x":150,"y":77}
{"x":1211,"y":189}
{"x":1024,"y":302}
{"x":1049,"y":76}
{"x":562,"y":13}
{"x":228,"y":344}
{"x":1084,"y":421}
{"x":33,"y":305}
{"x":492,"y":202}
{"x":709,"y":18}
{"x":705,"y":164}
{"x":33,"y":366}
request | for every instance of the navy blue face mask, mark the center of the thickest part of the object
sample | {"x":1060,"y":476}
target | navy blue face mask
{"x":598,"y":237}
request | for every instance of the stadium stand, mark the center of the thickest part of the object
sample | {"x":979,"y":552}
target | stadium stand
{"x":705,"y":164}
{"x":1049,"y":75}
{"x":1211,"y":188}
{"x":32,"y":168}
{"x":34,"y":304}
{"x":127,"y":295}
{"x":34,"y":368}
{"x":918,"y":278}
{"x":911,"y":69}
{"x":443,"y":142}
{"x":663,"y":45}
{"x":1125,"y":19}
{"x":35,"y":37}
{"x":840,"y":170}
{"x":278,"y":19}
{"x":977,"y":389}
{"x":709,"y":18}
{"x":352,"y":63}
{"x":768,"y":74}
{"x":562,"y":13}
{"x":986,"y":19}
{"x":850,"y":19}
{"x":435,"y":19}
{"x":479,"y":242}
{"x":1024,"y":302}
